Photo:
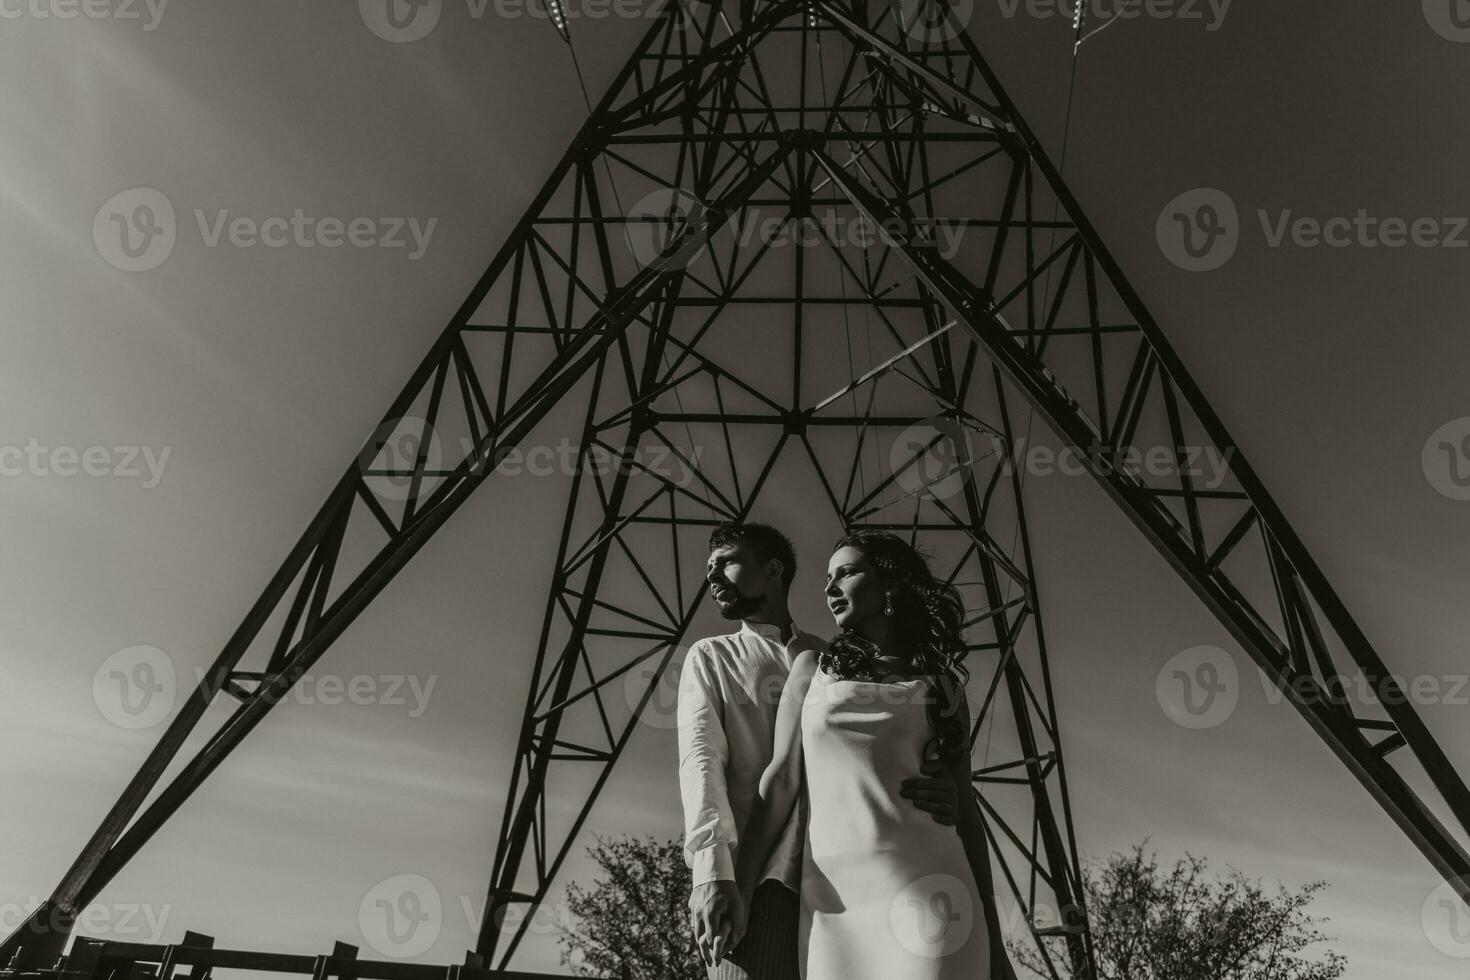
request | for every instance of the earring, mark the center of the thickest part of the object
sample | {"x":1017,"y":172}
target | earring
{"x":888,"y":604}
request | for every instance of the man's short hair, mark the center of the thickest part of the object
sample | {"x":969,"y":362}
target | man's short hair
{"x":764,"y":541}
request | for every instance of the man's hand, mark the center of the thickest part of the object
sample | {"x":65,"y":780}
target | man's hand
{"x":717,"y":913}
{"x":934,"y":792}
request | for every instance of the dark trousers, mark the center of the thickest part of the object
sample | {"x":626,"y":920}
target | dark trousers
{"x":768,"y":951}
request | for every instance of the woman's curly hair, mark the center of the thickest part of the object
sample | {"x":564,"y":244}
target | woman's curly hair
{"x":927,"y":623}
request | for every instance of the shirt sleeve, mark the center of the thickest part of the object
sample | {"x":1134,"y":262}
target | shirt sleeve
{"x":709,"y":827}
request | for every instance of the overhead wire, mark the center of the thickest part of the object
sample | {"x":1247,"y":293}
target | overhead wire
{"x":1079,"y":23}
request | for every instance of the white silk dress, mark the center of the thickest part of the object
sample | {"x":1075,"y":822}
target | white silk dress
{"x":886,"y":892}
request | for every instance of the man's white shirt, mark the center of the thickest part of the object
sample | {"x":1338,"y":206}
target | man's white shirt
{"x":729,"y":691}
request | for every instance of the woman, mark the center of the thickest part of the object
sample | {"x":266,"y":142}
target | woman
{"x":886,"y":892}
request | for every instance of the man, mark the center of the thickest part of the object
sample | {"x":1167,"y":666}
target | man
{"x":728,"y":694}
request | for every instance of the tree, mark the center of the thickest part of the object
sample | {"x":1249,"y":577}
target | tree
{"x":632,"y":922}
{"x":1147,"y":925}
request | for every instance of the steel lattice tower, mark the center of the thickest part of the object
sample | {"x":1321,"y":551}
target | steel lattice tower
{"x":964,"y":279}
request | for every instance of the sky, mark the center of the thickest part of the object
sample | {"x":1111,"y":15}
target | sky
{"x":228,"y":386}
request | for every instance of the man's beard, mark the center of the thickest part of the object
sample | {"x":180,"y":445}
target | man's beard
{"x":743,"y":606}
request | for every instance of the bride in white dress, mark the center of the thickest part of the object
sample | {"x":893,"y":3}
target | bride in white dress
{"x":886,"y":892}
